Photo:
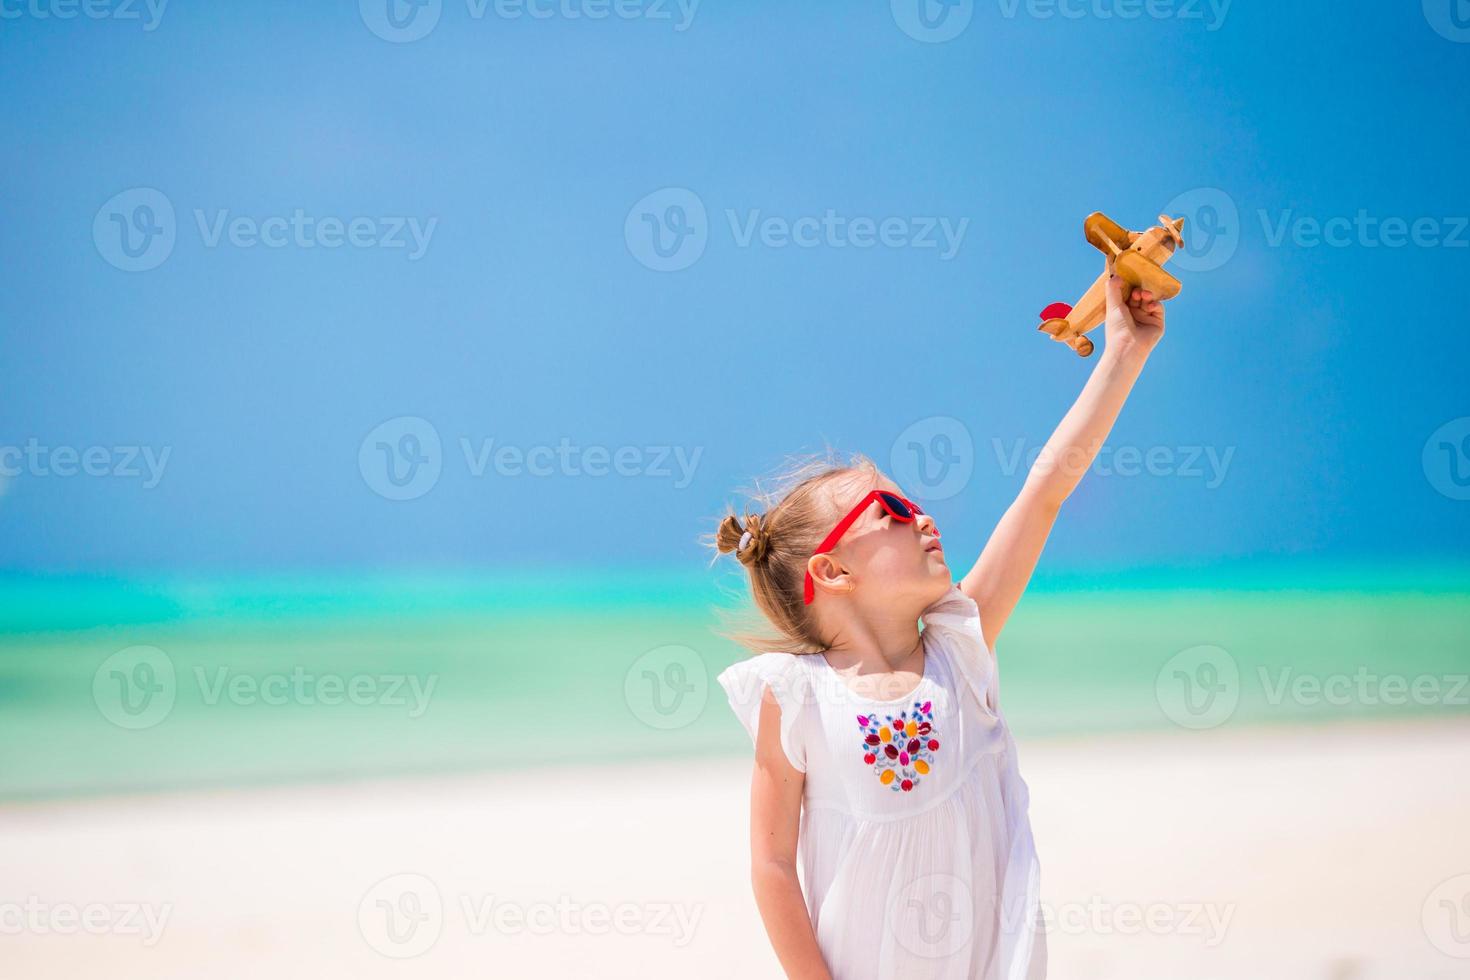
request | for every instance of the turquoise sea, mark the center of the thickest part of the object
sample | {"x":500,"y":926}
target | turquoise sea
{"x":125,"y":684}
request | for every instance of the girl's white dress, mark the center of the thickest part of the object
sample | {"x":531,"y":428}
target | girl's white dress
{"x":915,"y":854}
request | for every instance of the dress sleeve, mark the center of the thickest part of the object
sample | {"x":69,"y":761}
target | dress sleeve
{"x":745,"y":682}
{"x":957,"y":618}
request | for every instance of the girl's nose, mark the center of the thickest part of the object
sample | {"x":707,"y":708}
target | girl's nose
{"x":926,"y":525}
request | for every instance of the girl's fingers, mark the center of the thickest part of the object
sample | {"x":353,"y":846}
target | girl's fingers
{"x":1113,"y":288}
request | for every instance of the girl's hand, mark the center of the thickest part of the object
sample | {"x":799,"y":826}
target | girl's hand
{"x":1136,"y":321}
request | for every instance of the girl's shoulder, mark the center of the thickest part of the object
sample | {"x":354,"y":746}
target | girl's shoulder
{"x":785,"y":674}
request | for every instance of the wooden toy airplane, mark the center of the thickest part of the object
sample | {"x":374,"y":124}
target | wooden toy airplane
{"x":1138,"y":257}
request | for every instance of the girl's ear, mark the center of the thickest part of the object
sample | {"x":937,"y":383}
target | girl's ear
{"x":830,"y":574}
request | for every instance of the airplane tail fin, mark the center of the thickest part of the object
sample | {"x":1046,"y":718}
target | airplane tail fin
{"x":1054,"y":318}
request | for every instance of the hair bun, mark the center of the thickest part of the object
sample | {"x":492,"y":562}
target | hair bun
{"x":753,"y":543}
{"x":749,"y":542}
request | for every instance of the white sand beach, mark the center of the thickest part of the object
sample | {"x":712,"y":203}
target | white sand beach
{"x":1296,"y":853}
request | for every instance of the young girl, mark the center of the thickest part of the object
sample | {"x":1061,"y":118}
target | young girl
{"x":884,"y":767}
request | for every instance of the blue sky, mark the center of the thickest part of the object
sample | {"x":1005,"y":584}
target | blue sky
{"x":368,"y":230}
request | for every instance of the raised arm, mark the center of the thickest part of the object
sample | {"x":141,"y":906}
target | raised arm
{"x":775,"y":824}
{"x":1000,"y":575}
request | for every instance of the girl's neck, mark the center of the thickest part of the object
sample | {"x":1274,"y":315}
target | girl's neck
{"x":877,"y":650}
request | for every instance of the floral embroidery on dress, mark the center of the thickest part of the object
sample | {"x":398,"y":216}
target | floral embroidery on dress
{"x":900,"y":748}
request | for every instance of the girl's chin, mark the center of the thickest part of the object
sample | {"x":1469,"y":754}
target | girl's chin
{"x":940,"y":577}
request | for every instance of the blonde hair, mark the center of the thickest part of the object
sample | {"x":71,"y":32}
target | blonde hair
{"x":791,"y":517}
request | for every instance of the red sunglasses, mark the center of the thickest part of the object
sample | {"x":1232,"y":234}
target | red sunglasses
{"x":899,"y":508}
